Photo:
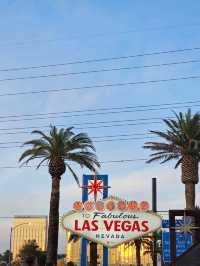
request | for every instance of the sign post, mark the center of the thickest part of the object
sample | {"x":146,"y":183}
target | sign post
{"x":85,"y":187}
{"x":154,"y":209}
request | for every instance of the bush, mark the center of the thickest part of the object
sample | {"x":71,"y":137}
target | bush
{"x":70,"y":263}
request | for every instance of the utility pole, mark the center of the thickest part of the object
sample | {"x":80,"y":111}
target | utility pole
{"x":154,"y":209}
{"x":10,"y":248}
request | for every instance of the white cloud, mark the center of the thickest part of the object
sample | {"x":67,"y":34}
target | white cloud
{"x":137,"y":185}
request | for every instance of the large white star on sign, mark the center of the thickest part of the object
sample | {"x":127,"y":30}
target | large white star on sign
{"x":185,"y":228}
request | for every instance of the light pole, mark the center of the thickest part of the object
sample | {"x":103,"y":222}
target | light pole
{"x":11,"y":231}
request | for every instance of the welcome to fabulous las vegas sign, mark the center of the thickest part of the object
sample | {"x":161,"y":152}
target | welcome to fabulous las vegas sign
{"x":111,"y":221}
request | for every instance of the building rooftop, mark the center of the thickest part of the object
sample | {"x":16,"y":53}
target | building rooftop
{"x":30,"y":216}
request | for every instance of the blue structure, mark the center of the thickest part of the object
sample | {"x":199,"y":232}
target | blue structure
{"x":183,"y":241}
{"x":86,"y":179}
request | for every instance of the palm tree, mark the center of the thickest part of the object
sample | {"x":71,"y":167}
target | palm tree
{"x":181,"y":143}
{"x":137,"y":243}
{"x":93,"y":248}
{"x":148,"y":245}
{"x":58,"y":149}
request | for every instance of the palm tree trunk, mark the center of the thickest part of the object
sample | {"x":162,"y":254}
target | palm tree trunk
{"x":189,"y":169}
{"x":138,"y":257}
{"x":190,"y":195}
{"x":190,"y":204}
{"x":52,"y":245}
{"x":93,"y":254}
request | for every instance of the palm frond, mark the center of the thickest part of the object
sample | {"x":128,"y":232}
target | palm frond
{"x":84,"y":158}
{"x":73,"y":238}
{"x":63,"y":144}
{"x":178,"y":163}
{"x":41,"y":162}
{"x":33,"y":153}
{"x":79,"y":141}
{"x":182,"y":137}
{"x":26,"y":154}
{"x":44,"y":136}
{"x":74,"y":174}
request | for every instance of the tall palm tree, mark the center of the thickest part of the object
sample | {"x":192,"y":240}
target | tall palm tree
{"x":148,"y":245}
{"x":137,"y":243}
{"x":58,"y":149}
{"x":181,"y":143}
{"x":93,"y":248}
{"x":149,"y":248}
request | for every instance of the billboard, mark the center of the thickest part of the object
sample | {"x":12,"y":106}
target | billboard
{"x":111,"y":221}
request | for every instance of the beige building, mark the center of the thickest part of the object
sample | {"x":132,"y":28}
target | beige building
{"x":121,"y":255}
{"x":27,"y":228}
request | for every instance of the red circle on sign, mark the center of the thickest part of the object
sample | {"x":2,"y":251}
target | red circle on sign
{"x":144,"y":206}
{"x":122,"y":205}
{"x":89,"y":205}
{"x":78,"y":206}
{"x":99,"y":205}
{"x":133,"y":205}
{"x":110,"y":205}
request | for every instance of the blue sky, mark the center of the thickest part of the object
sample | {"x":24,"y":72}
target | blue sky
{"x":49,"y":32}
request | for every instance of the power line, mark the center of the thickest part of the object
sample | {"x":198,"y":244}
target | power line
{"x":101,"y":162}
{"x":93,"y":127}
{"x":123,"y":161}
{"x":12,"y":217}
{"x":97,"y":141}
{"x":121,"y":139}
{"x":90,"y":114}
{"x":112,"y":137}
{"x":122,"y":84}
{"x":97,"y":60}
{"x":85,"y":123}
{"x":99,"y":71}
{"x":101,"y":109}
{"x":93,"y":114}
{"x":121,"y":123}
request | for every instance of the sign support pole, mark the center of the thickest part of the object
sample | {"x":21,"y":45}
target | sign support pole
{"x":84,"y":241}
{"x":86,"y":178}
{"x":105,"y":195}
{"x":154,"y":209}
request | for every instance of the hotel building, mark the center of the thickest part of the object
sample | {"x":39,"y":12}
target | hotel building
{"x":27,"y":228}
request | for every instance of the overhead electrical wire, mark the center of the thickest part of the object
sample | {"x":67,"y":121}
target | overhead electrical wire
{"x":102,"y":109}
{"x":112,"y":137}
{"x":101,"y":162}
{"x":97,"y":141}
{"x":118,"y":123}
{"x":120,"y":84}
{"x":99,"y":71}
{"x":97,"y":113}
{"x":86,"y":123}
{"x":93,"y":127}
{"x":96,"y":60}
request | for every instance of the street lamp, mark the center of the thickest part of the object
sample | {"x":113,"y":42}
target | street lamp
{"x":11,"y":231}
